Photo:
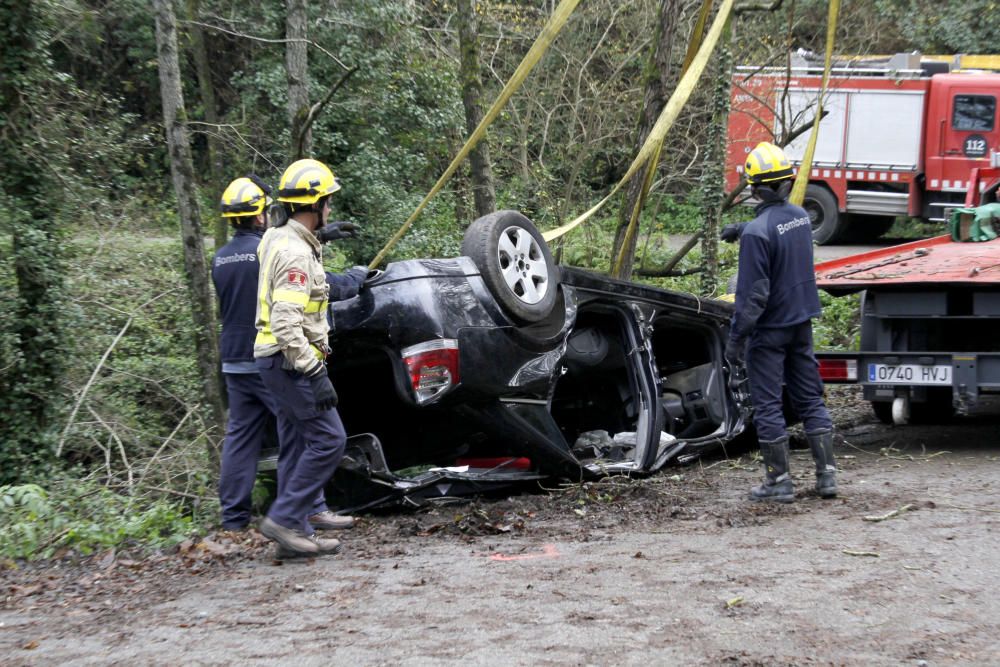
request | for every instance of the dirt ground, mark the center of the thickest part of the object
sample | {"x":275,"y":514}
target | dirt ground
{"x":676,"y":569}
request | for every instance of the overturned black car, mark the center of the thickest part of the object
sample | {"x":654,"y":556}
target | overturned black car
{"x":499,"y":366}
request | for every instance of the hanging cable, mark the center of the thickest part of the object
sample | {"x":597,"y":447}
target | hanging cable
{"x":535,"y":53}
{"x":802,"y":178}
{"x":666,"y":120}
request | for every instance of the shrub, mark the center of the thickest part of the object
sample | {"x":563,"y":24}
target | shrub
{"x":84,"y":516}
{"x":838,"y":328}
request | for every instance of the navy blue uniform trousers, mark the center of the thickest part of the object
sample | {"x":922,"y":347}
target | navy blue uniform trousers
{"x":250,"y":405}
{"x":784,"y":356}
{"x":307,"y":461}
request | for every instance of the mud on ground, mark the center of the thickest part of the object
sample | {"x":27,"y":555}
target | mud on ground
{"x":679,"y":568}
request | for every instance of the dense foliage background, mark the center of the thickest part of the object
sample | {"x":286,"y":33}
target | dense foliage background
{"x":86,"y":184}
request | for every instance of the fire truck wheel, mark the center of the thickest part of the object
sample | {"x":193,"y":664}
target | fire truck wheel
{"x":827,"y":223}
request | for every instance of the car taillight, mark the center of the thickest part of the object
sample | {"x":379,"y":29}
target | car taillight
{"x":433,"y":367}
{"x":842,"y":370}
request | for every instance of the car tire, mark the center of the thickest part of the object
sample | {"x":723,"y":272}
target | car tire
{"x":828,"y":226}
{"x":515,"y":263}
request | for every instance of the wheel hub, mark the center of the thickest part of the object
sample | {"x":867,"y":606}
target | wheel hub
{"x":815,"y":217}
{"x":522,"y":265}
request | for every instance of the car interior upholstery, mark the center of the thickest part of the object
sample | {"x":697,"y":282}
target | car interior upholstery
{"x":691,"y":389}
{"x":597,"y":391}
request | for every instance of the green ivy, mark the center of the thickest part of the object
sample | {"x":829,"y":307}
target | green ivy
{"x":31,"y":379}
{"x":84,"y":517}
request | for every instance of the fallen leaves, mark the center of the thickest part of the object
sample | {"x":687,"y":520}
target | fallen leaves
{"x":476,"y":522}
{"x":223,"y":545}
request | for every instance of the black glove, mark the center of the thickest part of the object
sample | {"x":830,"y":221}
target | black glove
{"x":731,"y":233}
{"x":736,"y":352}
{"x":334,"y":231}
{"x":323,"y":391}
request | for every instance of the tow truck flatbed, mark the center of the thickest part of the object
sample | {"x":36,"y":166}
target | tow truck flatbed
{"x":930,"y":326}
{"x":937,"y":261}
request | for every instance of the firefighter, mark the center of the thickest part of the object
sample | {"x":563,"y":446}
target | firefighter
{"x":776,"y":299}
{"x":234,"y":273}
{"x":290,"y":350}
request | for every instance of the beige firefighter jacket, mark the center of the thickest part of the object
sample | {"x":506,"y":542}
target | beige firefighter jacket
{"x":292,"y":298}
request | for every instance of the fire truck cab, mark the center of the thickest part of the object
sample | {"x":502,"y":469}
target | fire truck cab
{"x":899,"y":138}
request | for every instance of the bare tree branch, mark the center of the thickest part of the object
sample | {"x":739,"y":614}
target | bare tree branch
{"x":667,"y":270}
{"x":266,"y":40}
{"x":303,"y":130}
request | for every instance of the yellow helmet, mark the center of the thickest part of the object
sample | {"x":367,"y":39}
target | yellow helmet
{"x":243,"y":197}
{"x":767,"y":163}
{"x":306,"y":182}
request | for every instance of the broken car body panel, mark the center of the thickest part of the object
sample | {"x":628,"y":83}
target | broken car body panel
{"x":431,"y":369}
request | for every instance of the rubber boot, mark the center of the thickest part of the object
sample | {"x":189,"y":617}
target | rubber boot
{"x":777,"y":486}
{"x":821,"y":446}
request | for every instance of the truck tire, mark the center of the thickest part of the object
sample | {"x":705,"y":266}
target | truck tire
{"x":828,"y":226}
{"x":936,"y":410}
{"x":515,"y":263}
{"x":883,"y":411}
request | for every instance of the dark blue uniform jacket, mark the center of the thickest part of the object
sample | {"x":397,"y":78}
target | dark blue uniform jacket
{"x":234,"y":272}
{"x":776,"y":247}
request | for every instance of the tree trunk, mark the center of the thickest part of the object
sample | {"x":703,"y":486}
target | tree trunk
{"x":472,"y":90}
{"x":713,"y":185}
{"x":211,"y":112}
{"x":656,"y":79}
{"x":30,"y":382}
{"x":182,"y":171}
{"x":460,"y":186}
{"x":297,"y":69}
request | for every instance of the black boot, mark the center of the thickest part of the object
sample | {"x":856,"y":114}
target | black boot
{"x":821,"y":445}
{"x":777,"y":486}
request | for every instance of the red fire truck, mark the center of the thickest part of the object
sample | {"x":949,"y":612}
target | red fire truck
{"x":900,"y":137}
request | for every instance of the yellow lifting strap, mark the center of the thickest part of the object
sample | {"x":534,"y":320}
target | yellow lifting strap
{"x":802,"y":178}
{"x":697,"y":34}
{"x":667,"y":117}
{"x":535,"y":53}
